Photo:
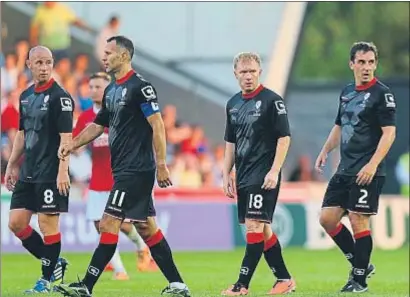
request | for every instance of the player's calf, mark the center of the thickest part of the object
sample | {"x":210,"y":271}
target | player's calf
{"x":363,"y":246}
{"x":161,"y":252}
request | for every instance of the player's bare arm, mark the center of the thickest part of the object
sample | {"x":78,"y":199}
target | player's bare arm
{"x":90,"y":133}
{"x":160,"y":147}
{"x":16,"y":153}
{"x":282,"y":148}
{"x":63,"y":178}
{"x":366,"y":174}
{"x":331,"y":143}
{"x":228,"y":179}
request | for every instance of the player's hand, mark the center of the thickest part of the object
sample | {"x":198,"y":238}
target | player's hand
{"x":271,"y":180}
{"x":320,"y":162}
{"x":11,"y":176}
{"x":229,"y":186}
{"x":366,"y":174}
{"x":64,"y":151}
{"x":163,"y":178}
{"x":63,"y":183}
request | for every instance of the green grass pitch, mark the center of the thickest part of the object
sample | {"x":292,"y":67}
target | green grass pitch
{"x":317,"y":273}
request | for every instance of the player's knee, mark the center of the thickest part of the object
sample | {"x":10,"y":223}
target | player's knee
{"x":143,"y":229}
{"x":359,"y":222}
{"x":109,"y":224}
{"x":328,"y":222}
{"x":48,"y":224}
{"x":17,"y":226}
{"x":253,"y":226}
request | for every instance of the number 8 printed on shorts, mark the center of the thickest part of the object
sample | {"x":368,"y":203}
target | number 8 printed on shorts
{"x":255,"y":201}
{"x":48,"y":196}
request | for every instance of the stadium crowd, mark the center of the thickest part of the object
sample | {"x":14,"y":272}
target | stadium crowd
{"x":193,"y":162}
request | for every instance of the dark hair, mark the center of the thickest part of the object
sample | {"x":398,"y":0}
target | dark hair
{"x":113,"y":19}
{"x":365,"y":47}
{"x":123,"y":42}
{"x":102,"y":75}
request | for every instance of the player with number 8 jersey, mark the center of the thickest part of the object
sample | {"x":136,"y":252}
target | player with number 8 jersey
{"x":43,"y":184}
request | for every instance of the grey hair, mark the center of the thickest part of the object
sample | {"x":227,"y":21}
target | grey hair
{"x":246,"y":56}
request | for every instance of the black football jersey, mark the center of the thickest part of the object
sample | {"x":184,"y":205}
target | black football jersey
{"x":45,"y":112}
{"x":126,"y":105}
{"x":363,"y":110}
{"x":254,"y":122}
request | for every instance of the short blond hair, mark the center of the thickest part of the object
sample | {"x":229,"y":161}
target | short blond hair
{"x":246,"y":56}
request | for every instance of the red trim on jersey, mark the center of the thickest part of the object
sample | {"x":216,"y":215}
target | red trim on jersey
{"x":108,"y":238}
{"x":52,"y":239}
{"x":26,"y":233}
{"x":45,"y":87}
{"x":252,"y":238}
{"x":125,"y":77}
{"x":270,"y":242}
{"x":367,"y":85}
{"x":362,"y":234}
{"x":253,"y":93}
{"x":336,"y":231}
{"x":154,"y":239}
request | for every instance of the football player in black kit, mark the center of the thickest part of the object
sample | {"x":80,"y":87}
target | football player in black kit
{"x":43,"y":184}
{"x":130,"y":110}
{"x":365,"y":130}
{"x":257,"y":140}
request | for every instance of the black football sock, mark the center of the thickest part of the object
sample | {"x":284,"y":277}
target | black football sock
{"x":273,"y":256}
{"x":253,"y":253}
{"x":102,"y":255}
{"x":344,"y":240}
{"x":32,"y":241}
{"x":161,"y":253}
{"x":51,"y":251}
{"x":363,"y":249}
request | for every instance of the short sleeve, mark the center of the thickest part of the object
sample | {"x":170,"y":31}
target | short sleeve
{"x":386,"y":109}
{"x":69,"y":14}
{"x":103,"y":116}
{"x":338,"y":120}
{"x":280,"y":118}
{"x":230,"y":135}
{"x":148,"y":100}
{"x":63,"y":113}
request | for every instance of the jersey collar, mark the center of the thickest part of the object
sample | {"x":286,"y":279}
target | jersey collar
{"x":254,"y":93}
{"x":125,"y":77}
{"x":367,"y":85}
{"x":45,"y":87}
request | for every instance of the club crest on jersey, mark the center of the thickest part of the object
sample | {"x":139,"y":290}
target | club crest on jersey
{"x":66,"y":104}
{"x":365,"y":99}
{"x":44,"y":106}
{"x":257,"y":109}
{"x":148,"y":93}
{"x":122,"y":100}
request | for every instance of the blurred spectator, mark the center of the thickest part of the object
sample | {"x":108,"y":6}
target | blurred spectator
{"x":84,"y":95}
{"x":9,"y":73}
{"x":304,"y":170}
{"x":175,"y":131}
{"x":62,"y":70}
{"x":51,"y":27}
{"x":110,"y":29}
{"x":207,"y":170}
{"x":22,"y":82}
{"x":219,"y":165}
{"x":196,"y":143}
{"x":402,"y":174}
{"x":80,"y":67}
{"x":9,"y":125}
{"x":22,"y":47}
{"x":190,"y":176}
